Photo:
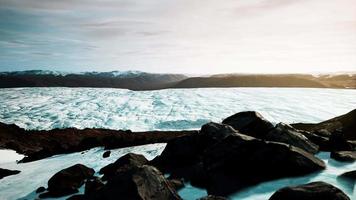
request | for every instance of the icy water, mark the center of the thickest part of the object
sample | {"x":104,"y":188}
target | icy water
{"x":47,"y":108}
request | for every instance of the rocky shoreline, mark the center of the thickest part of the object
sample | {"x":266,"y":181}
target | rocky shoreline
{"x":223,"y":158}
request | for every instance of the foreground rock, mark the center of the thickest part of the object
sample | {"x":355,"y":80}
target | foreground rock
{"x":311,"y":191}
{"x":249,"y":123}
{"x":211,"y":197}
{"x":41,"y":144}
{"x":345,"y":123}
{"x":129,"y":160}
{"x":67,"y":181}
{"x":287,"y":134}
{"x":224,"y":161}
{"x":139,"y":182}
{"x":238,"y":162}
{"x":345,"y":156}
{"x":253,"y":124}
{"x":7,"y":172}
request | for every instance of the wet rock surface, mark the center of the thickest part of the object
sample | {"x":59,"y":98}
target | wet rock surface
{"x":7,"y":172}
{"x":344,"y":156}
{"x":311,"y":191}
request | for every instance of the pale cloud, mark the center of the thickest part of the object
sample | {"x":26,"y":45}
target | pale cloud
{"x":189,"y":36}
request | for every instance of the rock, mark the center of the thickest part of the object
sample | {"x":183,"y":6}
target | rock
{"x":67,"y":181}
{"x":344,"y":123}
{"x":92,"y":186}
{"x":310,"y":191}
{"x":239,"y":161}
{"x":349,"y":175}
{"x":176,"y":183}
{"x":128,"y":160}
{"x":139,"y":183}
{"x":249,"y":123}
{"x":7,"y":172}
{"x":287,"y":134}
{"x":106,"y":154}
{"x":212,"y":197}
{"x":40,"y":189}
{"x":337,"y":142}
{"x":321,"y":141}
{"x":216,"y":132}
{"x":346,"y":156}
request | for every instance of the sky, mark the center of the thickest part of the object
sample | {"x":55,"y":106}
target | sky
{"x":179,"y":36}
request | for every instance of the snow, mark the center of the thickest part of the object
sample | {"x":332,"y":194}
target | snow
{"x":7,"y":156}
{"x":48,"y":108}
{"x":37,"y":173}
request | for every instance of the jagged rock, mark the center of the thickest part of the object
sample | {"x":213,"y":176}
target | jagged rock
{"x":240,"y":161}
{"x":287,"y":134}
{"x":7,"y":172}
{"x":249,"y":123}
{"x":140,"y":183}
{"x":67,"y":181}
{"x":106,"y":154}
{"x":128,"y":160}
{"x":212,"y":197}
{"x":346,"y":156}
{"x":310,"y":191}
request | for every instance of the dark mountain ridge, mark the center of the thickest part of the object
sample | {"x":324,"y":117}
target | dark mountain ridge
{"x":135,"y":80}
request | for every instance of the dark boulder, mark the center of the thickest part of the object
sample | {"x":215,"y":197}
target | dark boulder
{"x":285,"y":133}
{"x":211,"y":197}
{"x":7,"y":172}
{"x":139,"y":183}
{"x":345,"y":123}
{"x":338,"y":142}
{"x":240,"y":161}
{"x":249,"y":123}
{"x":321,"y":141}
{"x":92,"y":186}
{"x":67,"y":181}
{"x":126,"y":161}
{"x":345,"y":156}
{"x":40,"y":189}
{"x":106,"y":154}
{"x":349,"y":175}
{"x":310,"y":191}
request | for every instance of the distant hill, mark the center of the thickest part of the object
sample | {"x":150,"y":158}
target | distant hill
{"x":136,"y":80}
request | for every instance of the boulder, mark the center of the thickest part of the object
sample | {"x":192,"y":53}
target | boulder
{"x":126,"y":161}
{"x":67,"y":181}
{"x":310,"y":191}
{"x":7,"y":172}
{"x":106,"y":154}
{"x":344,"y":156}
{"x":77,"y":197}
{"x":344,"y":123}
{"x":240,"y":161}
{"x":285,"y":133}
{"x":249,"y":123}
{"x":140,"y":183}
{"x":349,"y":175}
{"x":40,"y":189}
{"x":92,"y":186}
{"x":338,"y":142}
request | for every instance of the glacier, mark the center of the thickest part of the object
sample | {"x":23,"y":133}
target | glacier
{"x":170,"y":109}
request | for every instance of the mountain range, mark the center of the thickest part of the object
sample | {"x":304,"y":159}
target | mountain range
{"x":137,"y":80}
